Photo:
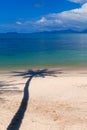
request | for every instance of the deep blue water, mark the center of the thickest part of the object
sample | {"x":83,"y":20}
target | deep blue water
{"x":43,"y":50}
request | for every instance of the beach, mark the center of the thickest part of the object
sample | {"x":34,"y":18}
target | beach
{"x":43,"y":65}
{"x":53,"y":99}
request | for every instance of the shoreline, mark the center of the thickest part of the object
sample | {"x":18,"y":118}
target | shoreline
{"x":59,"y":68}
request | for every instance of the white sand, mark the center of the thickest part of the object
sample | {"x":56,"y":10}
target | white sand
{"x":55,"y":103}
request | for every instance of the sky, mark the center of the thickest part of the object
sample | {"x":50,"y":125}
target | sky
{"x":42,"y":15}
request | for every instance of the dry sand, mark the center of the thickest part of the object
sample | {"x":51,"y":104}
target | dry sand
{"x":55,"y":103}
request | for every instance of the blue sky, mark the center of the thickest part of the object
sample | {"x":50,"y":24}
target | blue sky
{"x":42,"y":15}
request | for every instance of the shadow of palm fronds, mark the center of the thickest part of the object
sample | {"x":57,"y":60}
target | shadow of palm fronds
{"x":18,"y":117}
{"x":37,"y":73}
{"x":6,"y":87}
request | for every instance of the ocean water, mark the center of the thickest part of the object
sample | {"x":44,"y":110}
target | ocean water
{"x":43,"y":50}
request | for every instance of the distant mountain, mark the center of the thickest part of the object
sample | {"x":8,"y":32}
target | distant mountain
{"x":64,"y":31}
{"x":55,"y":31}
{"x":85,"y":31}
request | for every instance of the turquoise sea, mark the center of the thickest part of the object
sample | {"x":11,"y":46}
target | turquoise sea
{"x":42,"y":50}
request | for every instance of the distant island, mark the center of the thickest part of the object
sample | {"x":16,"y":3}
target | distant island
{"x":64,"y":31}
{"x":55,"y":31}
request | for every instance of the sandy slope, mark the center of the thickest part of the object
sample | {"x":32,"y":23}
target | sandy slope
{"x":55,"y":103}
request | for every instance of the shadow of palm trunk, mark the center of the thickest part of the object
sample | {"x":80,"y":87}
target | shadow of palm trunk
{"x":18,"y":117}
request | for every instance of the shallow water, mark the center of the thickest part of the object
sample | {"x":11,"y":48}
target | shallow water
{"x":43,"y":50}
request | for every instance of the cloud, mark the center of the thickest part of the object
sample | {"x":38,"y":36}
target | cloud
{"x":75,"y":19}
{"x":78,"y":1}
{"x":42,"y":20}
{"x":19,"y":23}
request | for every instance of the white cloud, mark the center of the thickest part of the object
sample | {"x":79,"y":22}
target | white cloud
{"x":75,"y":19}
{"x":78,"y":1}
{"x":42,"y":20}
{"x":19,"y":23}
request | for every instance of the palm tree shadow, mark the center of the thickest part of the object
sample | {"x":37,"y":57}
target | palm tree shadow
{"x":18,"y":117}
